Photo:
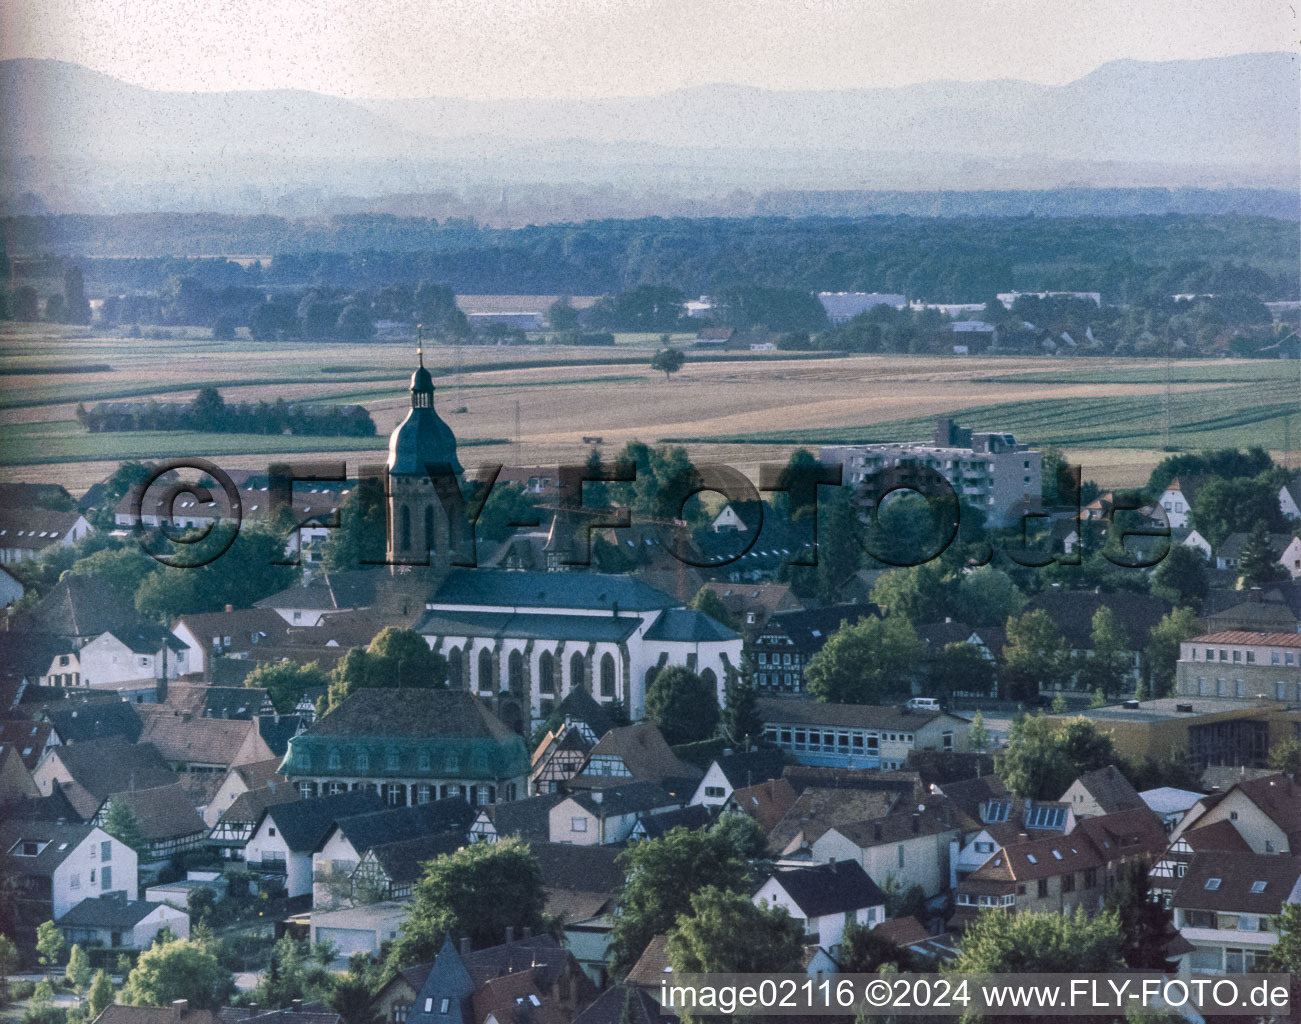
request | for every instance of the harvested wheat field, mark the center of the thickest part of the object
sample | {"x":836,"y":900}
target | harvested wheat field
{"x":1113,"y":416}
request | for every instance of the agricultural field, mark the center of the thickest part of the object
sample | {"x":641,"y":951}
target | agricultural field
{"x":534,"y":404}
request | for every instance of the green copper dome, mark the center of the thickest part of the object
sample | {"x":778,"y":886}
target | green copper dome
{"x":422,"y":439}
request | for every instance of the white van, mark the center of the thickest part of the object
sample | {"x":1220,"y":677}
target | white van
{"x":923,"y":704}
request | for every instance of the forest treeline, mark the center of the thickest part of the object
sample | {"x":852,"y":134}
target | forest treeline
{"x":965,"y":259}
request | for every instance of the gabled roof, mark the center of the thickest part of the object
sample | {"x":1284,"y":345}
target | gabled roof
{"x":163,"y":812}
{"x":250,"y":805}
{"x":497,"y":588}
{"x":686,"y":625}
{"x":1228,"y":881}
{"x":896,"y":827}
{"x":629,"y":797}
{"x":580,"y":705}
{"x":112,"y":910}
{"x":748,"y":767}
{"x":652,"y":965}
{"x":1279,"y":798}
{"x":592,"y":869}
{"x":1110,"y":790}
{"x":327,"y":591}
{"x":529,"y":818}
{"x":643,"y":749}
{"x":1072,"y":613}
{"x":692,"y":817}
{"x":33,"y":527}
{"x":1232,"y":545}
{"x":1136,"y":832}
{"x":420,"y":713}
{"x":393,"y":824}
{"x":767,"y":803}
{"x":181,"y":738}
{"x":902,"y":931}
{"x":304,"y":824}
{"x":246,"y":627}
{"x":1218,"y":835}
{"x":26,"y":737}
{"x":100,"y":768}
{"x":625,"y":1004}
{"x":256,"y":774}
{"x":833,"y":888}
{"x":82,"y":605}
{"x":81,"y":721}
{"x":204,"y":701}
{"x":55,"y":841}
{"x":55,"y":807}
{"x":809,"y":628}
{"x":1038,"y":858}
{"x":528,"y":626}
{"x":404,"y":860}
{"x":853,"y":716}
{"x":817,"y":809}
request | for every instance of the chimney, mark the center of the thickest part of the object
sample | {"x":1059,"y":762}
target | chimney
{"x":465,"y":946}
{"x":231,"y":608}
{"x":180,"y":1005}
{"x":295,"y":1006}
{"x":527,"y":931}
{"x":510,"y":934}
{"x":597,"y":796}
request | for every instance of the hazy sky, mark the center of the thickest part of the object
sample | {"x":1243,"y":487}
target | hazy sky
{"x":497,"y":48}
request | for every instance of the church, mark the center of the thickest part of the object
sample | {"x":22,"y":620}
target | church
{"x":524,"y":640}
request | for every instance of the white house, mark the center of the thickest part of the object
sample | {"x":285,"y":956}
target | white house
{"x":114,"y":921}
{"x":25,"y":533}
{"x":731,"y":772}
{"x":825,"y":899}
{"x":360,"y":929}
{"x":1290,"y":559}
{"x":1199,"y":543}
{"x":841,"y":307}
{"x":131,"y":656}
{"x":1177,"y":500}
{"x":910,"y":848}
{"x":599,"y":817}
{"x":1289,"y":499}
{"x":1225,"y":905}
{"x":10,"y":589}
{"x":69,"y":862}
{"x":288,"y":835}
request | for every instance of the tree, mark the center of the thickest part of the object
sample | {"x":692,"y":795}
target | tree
{"x":1146,"y":925}
{"x":359,"y":538}
{"x":8,"y":965}
{"x":708,"y":602}
{"x":668,"y":361}
{"x":287,"y":681}
{"x":224,"y":327}
{"x":49,"y":945}
{"x":1034,"y":656}
{"x":506,"y":507}
{"x":1045,"y":755}
{"x":183,"y":969}
{"x":839,"y":551}
{"x":477,"y":892}
{"x":1223,"y":507}
{"x":76,"y":308}
{"x":1285,"y":756}
{"x":562,"y":316}
{"x":978,"y":735}
{"x":1107,"y":667}
{"x":120,"y":822}
{"x":742,"y":722}
{"x":1041,"y":943}
{"x":959,"y":666}
{"x":988,"y":597}
{"x":1259,"y":562}
{"x":123,"y":568}
{"x":662,"y":874}
{"x":1285,"y":954}
{"x":684,"y":706}
{"x":78,"y":969}
{"x":723,"y":932}
{"x":865,"y":662}
{"x":354,"y":323}
{"x":1162,"y":651}
{"x":101,"y":993}
{"x":864,"y":951}
{"x":1181,"y":577}
{"x":920,"y":593}
{"x":200,"y":904}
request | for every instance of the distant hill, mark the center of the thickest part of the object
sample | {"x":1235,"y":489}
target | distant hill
{"x":77,"y":140}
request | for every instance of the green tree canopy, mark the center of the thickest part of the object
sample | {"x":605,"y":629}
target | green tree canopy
{"x":1027,"y":943}
{"x":1181,"y":577}
{"x":662,"y":875}
{"x":120,"y":822}
{"x":102,"y":993}
{"x":1259,"y":562}
{"x":684,"y":706}
{"x":959,"y":666}
{"x":78,"y":970}
{"x":1146,"y":925}
{"x":50,"y":944}
{"x":184,"y":969}
{"x":864,"y":663}
{"x":476,"y":893}
{"x":287,"y":681}
{"x":708,"y":602}
{"x":920,"y":593}
{"x":1162,"y":651}
{"x":1223,"y":507}
{"x":988,"y":597}
{"x":1107,"y":666}
{"x":1034,"y":655}
{"x":723,"y":932}
{"x":668,"y":361}
{"x":1045,"y":755}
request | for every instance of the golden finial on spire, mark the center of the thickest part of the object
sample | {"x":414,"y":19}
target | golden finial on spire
{"x":420,"y":343}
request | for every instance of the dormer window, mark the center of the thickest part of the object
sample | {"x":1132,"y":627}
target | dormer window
{"x":1257,"y":887}
{"x":1212,"y":884}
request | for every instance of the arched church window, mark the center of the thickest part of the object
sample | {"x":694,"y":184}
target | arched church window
{"x":485,"y":670}
{"x":515,"y":671}
{"x":429,"y":528}
{"x":577,"y":677}
{"x":404,"y":529}
{"x":607,"y":676}
{"x":546,"y":673}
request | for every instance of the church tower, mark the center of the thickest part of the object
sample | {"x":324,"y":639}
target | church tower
{"x":422,"y":500}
